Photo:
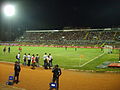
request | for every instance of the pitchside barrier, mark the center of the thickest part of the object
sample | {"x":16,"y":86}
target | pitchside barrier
{"x":13,"y":44}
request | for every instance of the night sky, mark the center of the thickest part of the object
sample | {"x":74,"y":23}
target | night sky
{"x":48,"y":14}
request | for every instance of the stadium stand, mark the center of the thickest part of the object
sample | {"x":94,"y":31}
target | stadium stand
{"x":71,"y":37}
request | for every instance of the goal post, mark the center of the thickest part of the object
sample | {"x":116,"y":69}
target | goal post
{"x":108,"y":49}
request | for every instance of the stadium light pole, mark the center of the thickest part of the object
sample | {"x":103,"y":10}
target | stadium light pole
{"x":9,"y":11}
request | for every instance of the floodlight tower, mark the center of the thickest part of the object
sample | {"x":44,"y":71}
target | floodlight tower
{"x":9,"y":12}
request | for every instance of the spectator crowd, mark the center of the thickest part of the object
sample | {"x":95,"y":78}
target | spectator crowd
{"x":70,"y":37}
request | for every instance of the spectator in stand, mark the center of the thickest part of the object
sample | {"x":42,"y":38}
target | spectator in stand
{"x":70,"y":37}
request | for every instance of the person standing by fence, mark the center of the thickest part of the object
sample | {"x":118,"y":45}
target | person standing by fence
{"x":56,"y":74}
{"x":45,"y":60}
{"x":33,"y":61}
{"x":29,"y":59}
{"x":50,"y":60}
{"x":18,"y":57}
{"x":37,"y":60}
{"x":24,"y":58}
{"x":17,"y":70}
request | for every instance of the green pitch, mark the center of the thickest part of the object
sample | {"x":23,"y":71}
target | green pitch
{"x":82,"y":58}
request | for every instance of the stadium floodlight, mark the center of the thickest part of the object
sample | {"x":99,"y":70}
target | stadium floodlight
{"x":9,"y":10}
{"x":63,"y":37}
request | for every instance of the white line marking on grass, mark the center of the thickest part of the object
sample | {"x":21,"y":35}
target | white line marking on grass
{"x":92,"y":60}
{"x":7,"y":62}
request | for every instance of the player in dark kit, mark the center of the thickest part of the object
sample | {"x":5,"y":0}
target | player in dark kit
{"x":56,"y":73}
{"x":9,"y":50}
{"x":102,"y":48}
{"x":17,"y":71}
{"x":4,"y":49}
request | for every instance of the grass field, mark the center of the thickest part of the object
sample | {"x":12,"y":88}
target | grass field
{"x":82,"y":58}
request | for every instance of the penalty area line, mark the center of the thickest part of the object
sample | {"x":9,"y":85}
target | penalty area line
{"x":91,"y":60}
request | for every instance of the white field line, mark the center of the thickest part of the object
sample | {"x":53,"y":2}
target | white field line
{"x":69,"y":65}
{"x":92,"y":60}
{"x":7,"y":62}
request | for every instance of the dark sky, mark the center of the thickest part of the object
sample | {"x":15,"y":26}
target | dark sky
{"x":37,"y":14}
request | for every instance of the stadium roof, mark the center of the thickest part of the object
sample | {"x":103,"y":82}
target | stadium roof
{"x":42,"y":30}
{"x":68,"y":30}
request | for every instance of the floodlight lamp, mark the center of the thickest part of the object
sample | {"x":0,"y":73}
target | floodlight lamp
{"x":63,"y":37}
{"x":9,"y":10}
